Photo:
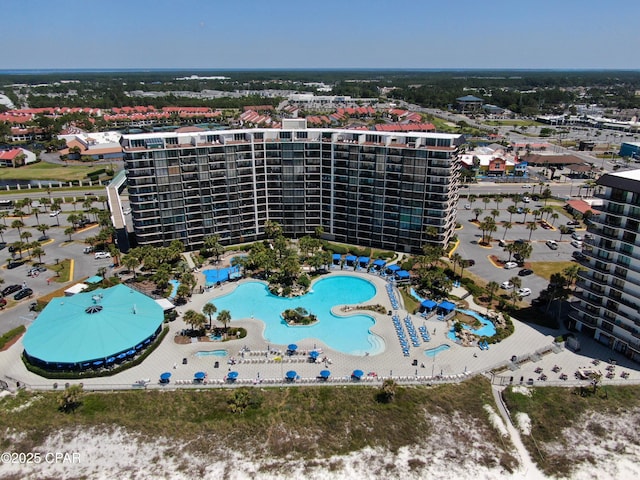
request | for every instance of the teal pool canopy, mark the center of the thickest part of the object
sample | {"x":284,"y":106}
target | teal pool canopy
{"x":92,"y":327}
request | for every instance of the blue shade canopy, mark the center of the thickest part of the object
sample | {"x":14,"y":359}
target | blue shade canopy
{"x":428,"y":303}
{"x":447,"y":306}
{"x":314,"y":354}
{"x":165,"y":376}
{"x":402,"y":274}
{"x":291,"y":374}
{"x":232,"y":375}
{"x":357,"y":373}
{"x":379,"y":262}
{"x":199,"y":375}
{"x":325,"y":373}
{"x":337,"y":256}
{"x":292,"y":347}
{"x":394,"y":268}
{"x":351,"y":258}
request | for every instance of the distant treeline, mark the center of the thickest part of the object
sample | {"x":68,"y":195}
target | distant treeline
{"x":527,"y":92}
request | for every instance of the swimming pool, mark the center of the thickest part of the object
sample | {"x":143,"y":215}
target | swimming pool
{"x":488,"y":329}
{"x":220,"y":275}
{"x":174,"y":288}
{"x":432,"y":352}
{"x":212,"y":353}
{"x":349,"y":334}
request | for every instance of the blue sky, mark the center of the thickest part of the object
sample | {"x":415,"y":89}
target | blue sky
{"x":556,"y":34}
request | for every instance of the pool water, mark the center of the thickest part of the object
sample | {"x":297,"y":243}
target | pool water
{"x":348,"y":334}
{"x":174,"y":288}
{"x":212,"y":353}
{"x":488,"y":329}
{"x":220,"y":275}
{"x":432,"y":352}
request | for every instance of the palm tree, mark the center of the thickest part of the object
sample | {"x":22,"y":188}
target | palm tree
{"x":38,"y":252}
{"x":535,"y":214}
{"x":17,"y":224}
{"x":209,"y":309}
{"x":494,"y":214}
{"x":498,"y":199}
{"x":571,"y":273}
{"x":531,"y":226}
{"x":42,"y":228}
{"x":471,"y":199}
{"x":69,"y":231}
{"x":517,"y":283}
{"x":506,"y":226}
{"x":526,"y":211}
{"x":563,"y":231}
{"x":455,"y":260}
{"x":486,"y":200}
{"x":36,"y":211}
{"x":554,"y":217}
{"x":3,"y":227}
{"x":511,"y":209}
{"x":224,"y":317}
{"x":491,"y":289}
{"x":477,"y":212}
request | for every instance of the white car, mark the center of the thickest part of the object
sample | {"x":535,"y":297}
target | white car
{"x":467,"y":206}
{"x":576,"y":236}
{"x":99,"y":255}
{"x":576,"y":243}
{"x":54,"y":213}
{"x":524,"y":292}
{"x":526,"y":185}
{"x":552,"y":244}
{"x":526,"y":199}
{"x":127,"y":211}
{"x":510,"y":265}
{"x":506,"y":285}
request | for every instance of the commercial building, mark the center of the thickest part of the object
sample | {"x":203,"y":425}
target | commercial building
{"x":369,"y":188}
{"x":608,"y":292}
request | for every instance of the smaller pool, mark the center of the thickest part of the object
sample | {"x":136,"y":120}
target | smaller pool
{"x":212,"y":353}
{"x":432,"y":352}
{"x":488,"y":329}
{"x":174,"y":288}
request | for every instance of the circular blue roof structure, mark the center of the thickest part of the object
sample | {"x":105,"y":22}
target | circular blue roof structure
{"x":104,"y":325}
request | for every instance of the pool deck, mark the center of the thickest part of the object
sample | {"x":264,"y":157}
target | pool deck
{"x":256,"y":360}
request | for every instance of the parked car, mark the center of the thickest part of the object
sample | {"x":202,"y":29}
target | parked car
{"x":24,"y":293}
{"x":467,"y":206}
{"x":576,"y":243}
{"x":3,"y":245}
{"x":99,"y":255}
{"x":128,"y":211}
{"x":16,"y":264}
{"x":87,"y":249}
{"x":10,"y":289}
{"x":525,"y":272}
{"x":502,"y":243}
{"x":43,"y":238}
{"x":526,"y":199}
{"x":524,"y":292}
{"x":470,"y":262}
{"x":3,"y":302}
{"x":520,"y":210}
{"x":552,"y":244}
{"x":578,"y":255}
{"x":506,"y":285}
{"x":54,"y":213}
{"x":510,"y":265}
{"x":576,"y":236}
{"x":573,"y":223}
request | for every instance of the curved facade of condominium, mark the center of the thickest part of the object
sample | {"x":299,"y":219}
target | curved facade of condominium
{"x":373,"y":189}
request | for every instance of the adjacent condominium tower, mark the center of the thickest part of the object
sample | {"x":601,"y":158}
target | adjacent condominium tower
{"x":373,"y":189}
{"x":608,"y":292}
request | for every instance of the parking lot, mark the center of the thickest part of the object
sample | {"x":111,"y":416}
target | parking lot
{"x":43,"y":281}
{"x":470,"y":235}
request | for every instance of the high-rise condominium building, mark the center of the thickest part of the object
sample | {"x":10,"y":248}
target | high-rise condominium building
{"x":373,"y":189}
{"x":608,"y":292}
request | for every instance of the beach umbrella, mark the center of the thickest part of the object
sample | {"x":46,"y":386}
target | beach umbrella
{"x":325,"y":374}
{"x":97,"y":363}
{"x":291,"y":375}
{"x":111,"y":359}
{"x":122,"y":356}
{"x":165,"y":376}
{"x":199,"y":375}
{"x":232,"y":375}
{"x":292,"y":347}
{"x":314,"y":354}
{"x":357,"y":374}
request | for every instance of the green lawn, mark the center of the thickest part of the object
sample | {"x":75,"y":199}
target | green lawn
{"x":48,"y":171}
{"x":546,"y":269}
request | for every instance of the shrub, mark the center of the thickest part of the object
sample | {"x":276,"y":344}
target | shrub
{"x":10,"y":335}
